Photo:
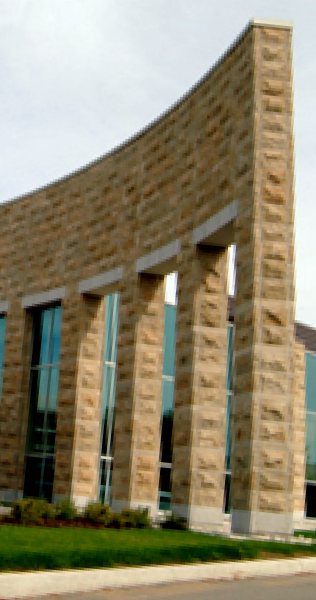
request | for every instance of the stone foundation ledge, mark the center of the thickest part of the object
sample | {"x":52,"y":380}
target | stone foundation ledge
{"x":36,"y":584}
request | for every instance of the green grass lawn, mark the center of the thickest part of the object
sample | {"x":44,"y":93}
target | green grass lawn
{"x":26,"y":548}
{"x":306,"y":534}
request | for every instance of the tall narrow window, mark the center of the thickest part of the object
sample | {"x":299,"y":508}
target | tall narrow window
{"x":167,"y":407}
{"x":40,"y":452}
{"x":2,"y":336}
{"x":229,"y":394}
{"x":310,"y":405}
{"x":109,"y":386}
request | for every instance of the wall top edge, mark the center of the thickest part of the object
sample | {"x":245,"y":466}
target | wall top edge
{"x":277,"y":23}
{"x":139,"y":134}
{"x":81,"y":170}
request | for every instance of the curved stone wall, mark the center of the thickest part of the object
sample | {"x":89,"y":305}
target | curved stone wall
{"x":216,"y":169}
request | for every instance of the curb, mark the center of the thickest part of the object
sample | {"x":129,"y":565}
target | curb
{"x":22,"y":585}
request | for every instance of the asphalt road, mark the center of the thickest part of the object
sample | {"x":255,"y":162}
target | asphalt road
{"x":301,"y":587}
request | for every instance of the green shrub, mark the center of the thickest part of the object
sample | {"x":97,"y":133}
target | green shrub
{"x":66,"y":510}
{"x":97,"y":513}
{"x":175,"y":522}
{"x":138,"y":518}
{"x":118,"y":521}
{"x":32,"y":510}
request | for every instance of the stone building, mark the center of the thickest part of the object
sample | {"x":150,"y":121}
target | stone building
{"x":90,"y":253}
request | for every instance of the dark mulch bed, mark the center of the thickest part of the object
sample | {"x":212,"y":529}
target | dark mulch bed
{"x":78,"y":523}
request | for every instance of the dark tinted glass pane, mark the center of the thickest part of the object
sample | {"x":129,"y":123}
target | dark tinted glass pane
{"x":228,"y":430}
{"x":310,"y":382}
{"x":165,"y":480}
{"x":102,"y":481}
{"x":50,"y":432}
{"x":2,"y":336}
{"x":41,"y":330}
{"x":109,"y":385}
{"x":166,"y":437}
{"x":106,"y":468}
{"x":311,"y":446}
{"x":230,"y":349}
{"x":311,"y":501}
{"x":32,"y":477}
{"x":42,"y":376}
{"x":169,"y":339}
{"x":107,"y":433}
{"x":56,"y":331}
{"x":167,"y":395}
{"x":53,"y":389}
{"x":111,"y":328}
{"x":48,"y":479}
{"x":36,"y":417}
{"x":164,"y":488}
{"x":108,"y":494}
{"x":227,"y":494}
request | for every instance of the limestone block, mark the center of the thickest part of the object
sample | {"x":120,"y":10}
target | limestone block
{"x":272,"y":431}
{"x":274,"y":383}
{"x":208,"y":462}
{"x":274,"y":335}
{"x":274,"y":502}
{"x":206,"y":481}
{"x":270,"y":482}
{"x":273,"y":459}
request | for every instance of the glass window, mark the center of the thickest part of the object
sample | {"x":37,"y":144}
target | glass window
{"x":167,"y":422}
{"x":230,"y":354}
{"x":310,"y":501}
{"x":109,"y":388}
{"x":2,"y":336}
{"x":229,"y":379}
{"x":310,"y":381}
{"x":39,"y":470}
{"x":228,"y":430}
{"x":167,"y":408}
{"x":165,"y":488}
{"x":311,"y":446}
{"x":169,"y":339}
{"x":227,"y":493}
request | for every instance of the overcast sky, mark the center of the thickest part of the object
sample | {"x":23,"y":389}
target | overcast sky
{"x":80,"y":76}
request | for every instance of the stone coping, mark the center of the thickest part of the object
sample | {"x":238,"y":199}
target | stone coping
{"x":42,"y":583}
{"x":47,"y":297}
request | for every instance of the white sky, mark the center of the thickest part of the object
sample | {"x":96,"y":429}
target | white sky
{"x":80,"y":76}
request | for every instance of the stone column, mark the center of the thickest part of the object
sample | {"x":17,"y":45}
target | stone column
{"x":138,"y":393}
{"x":14,"y":401}
{"x":200,"y":398}
{"x":299,"y":436}
{"x":80,"y":400}
{"x":262,"y":461}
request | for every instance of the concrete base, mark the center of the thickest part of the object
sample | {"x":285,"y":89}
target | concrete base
{"x":298,"y":519}
{"x":201,"y":517}
{"x":10,"y":495}
{"x":119,"y":505}
{"x":306,"y":524}
{"x":247,"y":522}
{"x":80,"y":502}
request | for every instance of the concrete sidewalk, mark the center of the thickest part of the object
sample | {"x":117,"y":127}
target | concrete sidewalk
{"x":21,"y":585}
